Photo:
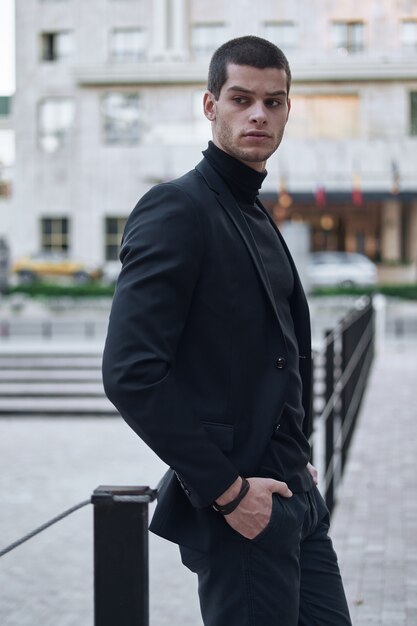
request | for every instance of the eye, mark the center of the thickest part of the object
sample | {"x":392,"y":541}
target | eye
{"x":272,"y":103}
{"x":240,"y":99}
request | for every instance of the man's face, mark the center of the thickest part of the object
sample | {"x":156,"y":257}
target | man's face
{"x":249,"y":118}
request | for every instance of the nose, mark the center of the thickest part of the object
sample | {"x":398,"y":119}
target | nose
{"x":258,"y":113}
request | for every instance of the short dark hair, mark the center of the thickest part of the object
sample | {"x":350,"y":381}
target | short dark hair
{"x":248,"y":50}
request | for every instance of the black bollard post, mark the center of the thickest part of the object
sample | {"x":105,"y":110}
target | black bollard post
{"x":121,"y":564}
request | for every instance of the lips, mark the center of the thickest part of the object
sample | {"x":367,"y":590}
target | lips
{"x":258,"y":134}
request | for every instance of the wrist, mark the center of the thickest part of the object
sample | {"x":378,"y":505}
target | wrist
{"x":229,"y":507}
{"x":231,"y":492}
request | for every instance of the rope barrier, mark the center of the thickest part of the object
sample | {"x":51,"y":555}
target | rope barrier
{"x":43,"y":527}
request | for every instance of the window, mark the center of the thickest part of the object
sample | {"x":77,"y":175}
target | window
{"x":56,"y":46}
{"x":54,"y":234}
{"x":114,"y":227}
{"x":5,"y":102}
{"x":348,"y":37}
{"x":55,"y":123}
{"x":409,"y":35}
{"x":413,"y":113}
{"x":324,"y":116}
{"x":283,"y":34}
{"x":127,"y":44}
{"x":121,"y":118}
{"x":205,"y":38}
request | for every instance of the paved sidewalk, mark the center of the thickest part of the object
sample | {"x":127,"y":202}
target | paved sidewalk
{"x":375,"y":523}
{"x":49,"y":464}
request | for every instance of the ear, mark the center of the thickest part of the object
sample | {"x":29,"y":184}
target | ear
{"x":209,"y":104}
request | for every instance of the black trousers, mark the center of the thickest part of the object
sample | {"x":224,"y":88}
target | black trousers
{"x":287,"y":576}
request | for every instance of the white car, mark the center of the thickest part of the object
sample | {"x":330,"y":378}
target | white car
{"x":341,"y":269}
{"x":111,"y":271}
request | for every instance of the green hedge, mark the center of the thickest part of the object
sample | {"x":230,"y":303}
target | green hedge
{"x":41,"y":289}
{"x":407,"y":291}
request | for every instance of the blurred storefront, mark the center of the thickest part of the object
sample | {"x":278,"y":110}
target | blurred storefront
{"x":380,"y":225}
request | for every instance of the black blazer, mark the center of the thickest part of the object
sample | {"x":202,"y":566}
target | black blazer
{"x":195,"y":355}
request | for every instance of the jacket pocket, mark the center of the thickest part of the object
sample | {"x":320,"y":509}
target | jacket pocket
{"x":221,"y":434}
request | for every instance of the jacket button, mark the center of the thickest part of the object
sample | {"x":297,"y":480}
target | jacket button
{"x":281,"y":362}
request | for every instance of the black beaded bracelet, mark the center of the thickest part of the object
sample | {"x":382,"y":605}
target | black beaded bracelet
{"x":225,"y":509}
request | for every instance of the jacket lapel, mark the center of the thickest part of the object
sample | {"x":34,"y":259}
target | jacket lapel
{"x":301,"y":314}
{"x":229,"y":204}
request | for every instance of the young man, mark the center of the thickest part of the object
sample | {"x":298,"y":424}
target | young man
{"x":208,"y":359}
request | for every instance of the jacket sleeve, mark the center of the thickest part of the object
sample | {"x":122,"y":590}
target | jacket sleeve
{"x":162,"y":253}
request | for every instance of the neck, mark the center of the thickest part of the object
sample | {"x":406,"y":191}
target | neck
{"x":258,"y":166}
{"x":243,"y":181}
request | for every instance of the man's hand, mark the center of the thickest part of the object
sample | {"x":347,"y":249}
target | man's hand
{"x":313,"y":473}
{"x":254,"y":511}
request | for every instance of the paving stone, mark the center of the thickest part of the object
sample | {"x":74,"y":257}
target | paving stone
{"x":47,"y":465}
{"x":377,"y":505}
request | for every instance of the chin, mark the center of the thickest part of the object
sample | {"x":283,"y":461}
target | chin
{"x":257,"y":157}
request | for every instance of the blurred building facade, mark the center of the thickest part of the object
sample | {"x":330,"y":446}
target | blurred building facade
{"x":109,"y":101}
{"x":6,"y":164}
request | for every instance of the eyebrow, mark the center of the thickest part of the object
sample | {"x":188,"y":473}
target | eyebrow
{"x":280,"y":92}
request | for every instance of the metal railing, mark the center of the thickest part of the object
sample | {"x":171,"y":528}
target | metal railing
{"x":340,"y":374}
{"x":52,"y":328}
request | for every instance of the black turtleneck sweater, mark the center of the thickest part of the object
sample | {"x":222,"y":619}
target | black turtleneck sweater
{"x":288,"y":452}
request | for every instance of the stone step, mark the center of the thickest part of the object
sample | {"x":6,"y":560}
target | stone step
{"x":57,"y":406}
{"x":43,"y":361}
{"x":52,"y":388}
{"x":46,"y":374}
{"x":66,"y":382}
